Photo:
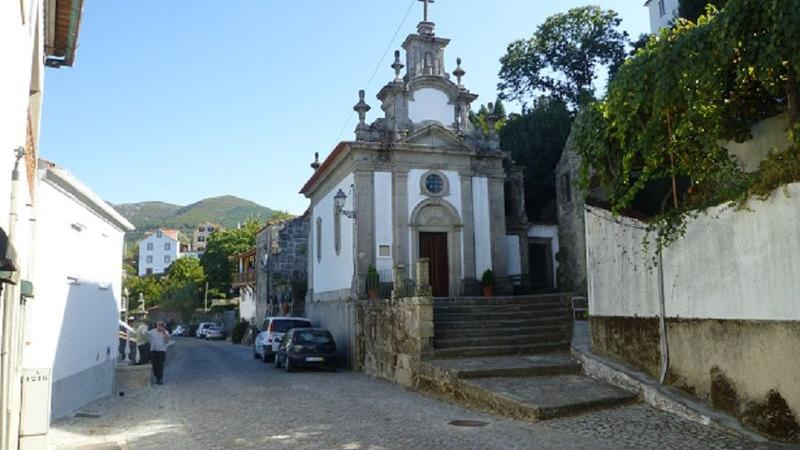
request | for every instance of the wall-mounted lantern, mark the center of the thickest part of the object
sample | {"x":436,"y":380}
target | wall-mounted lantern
{"x":339,"y":200}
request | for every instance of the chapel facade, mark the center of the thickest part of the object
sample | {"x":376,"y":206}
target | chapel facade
{"x":420,"y":181}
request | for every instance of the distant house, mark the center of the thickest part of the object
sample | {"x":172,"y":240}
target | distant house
{"x":201,"y":234}
{"x":158,"y":251}
{"x":245,"y":281}
{"x":78,"y":262}
{"x":662,"y":13}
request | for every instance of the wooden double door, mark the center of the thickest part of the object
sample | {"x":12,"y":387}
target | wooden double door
{"x":434,"y":247}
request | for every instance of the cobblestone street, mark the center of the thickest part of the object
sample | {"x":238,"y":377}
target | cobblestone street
{"x":217,"y":396}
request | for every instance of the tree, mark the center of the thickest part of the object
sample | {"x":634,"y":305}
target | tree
{"x":149,"y":286}
{"x":182,"y":286}
{"x":692,"y":9}
{"x":535,"y":139}
{"x":185,"y":270}
{"x":562,"y":58}
{"x":281,"y":215}
{"x":220,"y":247}
{"x":479,"y":120}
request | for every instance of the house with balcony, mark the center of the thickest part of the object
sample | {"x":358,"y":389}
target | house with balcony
{"x":244,"y":279}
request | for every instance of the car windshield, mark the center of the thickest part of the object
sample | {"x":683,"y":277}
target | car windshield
{"x":312,"y":337}
{"x":282,"y":326}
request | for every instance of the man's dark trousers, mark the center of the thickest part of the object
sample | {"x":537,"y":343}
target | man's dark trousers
{"x":158,"y":359}
{"x":144,"y":353}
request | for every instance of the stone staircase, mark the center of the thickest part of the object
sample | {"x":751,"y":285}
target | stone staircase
{"x":481,"y":326}
{"x":509,"y":355}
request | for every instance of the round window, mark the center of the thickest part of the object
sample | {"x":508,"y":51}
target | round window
{"x":434,"y":184}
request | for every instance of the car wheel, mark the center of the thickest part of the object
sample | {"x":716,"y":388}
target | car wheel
{"x":266,"y":357}
{"x":287,"y":364}
{"x":255,"y":353}
{"x":277,"y":362}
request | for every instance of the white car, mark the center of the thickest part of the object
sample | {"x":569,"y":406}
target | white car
{"x":272,"y":331}
{"x":214,"y":332}
{"x":202,"y":327}
{"x":179,"y":331}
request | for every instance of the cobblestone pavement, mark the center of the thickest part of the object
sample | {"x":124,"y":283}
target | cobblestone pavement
{"x":217,"y":396}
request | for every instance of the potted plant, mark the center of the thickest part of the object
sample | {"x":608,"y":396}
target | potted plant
{"x":373,"y":279}
{"x":487,"y":283}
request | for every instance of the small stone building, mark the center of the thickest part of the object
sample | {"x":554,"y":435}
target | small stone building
{"x":571,"y":222}
{"x":281,"y":280}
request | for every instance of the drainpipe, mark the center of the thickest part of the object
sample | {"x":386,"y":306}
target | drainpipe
{"x":662,"y":320}
{"x":9,"y":316}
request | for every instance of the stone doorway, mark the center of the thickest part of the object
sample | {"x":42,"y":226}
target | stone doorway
{"x":540,"y":258}
{"x":434,"y":247}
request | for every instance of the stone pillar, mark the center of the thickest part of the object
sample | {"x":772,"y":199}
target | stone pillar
{"x":401,"y":230}
{"x":469,"y":226}
{"x":498,"y":229}
{"x":365,"y":221}
{"x":423,"y":278}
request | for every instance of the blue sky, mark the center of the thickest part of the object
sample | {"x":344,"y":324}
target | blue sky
{"x":181,"y":100}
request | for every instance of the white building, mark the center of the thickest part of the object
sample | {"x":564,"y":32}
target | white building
{"x":74,"y":317}
{"x":158,"y":251}
{"x":421,"y":182}
{"x":32,"y":33}
{"x":662,"y":13}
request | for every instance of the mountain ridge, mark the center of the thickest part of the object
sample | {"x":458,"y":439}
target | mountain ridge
{"x":225,"y":210}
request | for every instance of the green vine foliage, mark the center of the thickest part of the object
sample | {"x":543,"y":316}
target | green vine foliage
{"x":690,"y":88}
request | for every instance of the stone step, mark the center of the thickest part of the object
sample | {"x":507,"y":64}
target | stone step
{"x":507,"y":339}
{"x":500,"y":350}
{"x":544,"y":320}
{"x":515,"y":300}
{"x":548,"y":364}
{"x":483,"y":309}
{"x":558,"y":326}
{"x":520,"y":315}
{"x":541,"y":398}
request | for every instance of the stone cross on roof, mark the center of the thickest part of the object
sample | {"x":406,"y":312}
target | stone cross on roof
{"x":425,"y":17}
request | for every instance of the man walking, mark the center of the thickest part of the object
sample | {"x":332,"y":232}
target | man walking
{"x":143,"y":342}
{"x":159,"y":338}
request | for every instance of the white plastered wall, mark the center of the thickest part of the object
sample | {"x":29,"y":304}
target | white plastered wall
{"x":159,"y":264}
{"x":333,"y":272}
{"x":73,"y":318}
{"x":383,"y":220}
{"x":729,"y":265}
{"x":431,"y":104}
{"x":483,"y":230}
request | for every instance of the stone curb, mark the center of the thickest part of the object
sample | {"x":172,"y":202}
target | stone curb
{"x":661,"y":397}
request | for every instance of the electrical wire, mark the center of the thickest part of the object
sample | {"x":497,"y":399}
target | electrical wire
{"x":377,"y":67}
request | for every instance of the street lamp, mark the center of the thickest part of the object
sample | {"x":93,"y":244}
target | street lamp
{"x":339,"y":201}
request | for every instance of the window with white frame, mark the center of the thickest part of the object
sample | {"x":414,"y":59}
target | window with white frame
{"x":167,"y":259}
{"x":167,"y":246}
{"x":662,"y":9}
{"x":149,"y":259}
{"x":150,"y":246}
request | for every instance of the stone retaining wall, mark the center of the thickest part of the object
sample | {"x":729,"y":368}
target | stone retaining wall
{"x":393,"y":336}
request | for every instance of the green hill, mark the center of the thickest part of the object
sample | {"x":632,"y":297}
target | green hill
{"x":227,"y":211}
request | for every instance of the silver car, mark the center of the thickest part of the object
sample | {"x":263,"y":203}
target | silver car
{"x":214,"y":332}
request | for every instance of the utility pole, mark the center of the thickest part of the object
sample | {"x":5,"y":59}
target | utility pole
{"x":205,"y":299}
